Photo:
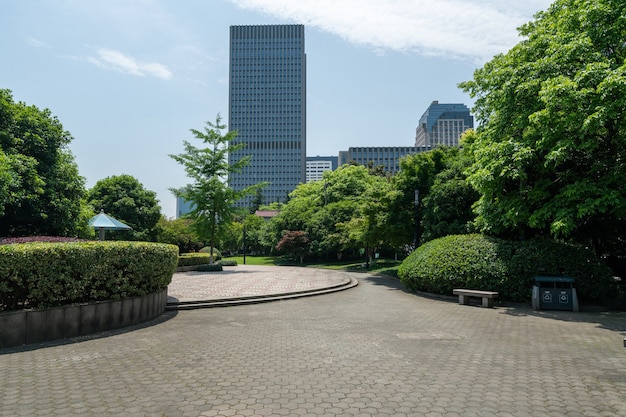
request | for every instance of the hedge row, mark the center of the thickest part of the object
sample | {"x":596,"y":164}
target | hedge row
{"x":216,"y":252}
{"x":509,"y":267}
{"x":42,"y":275}
{"x":193,"y":259}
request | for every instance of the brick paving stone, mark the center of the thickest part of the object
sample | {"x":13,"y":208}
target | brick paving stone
{"x":250,"y":280}
{"x":373,"y":350}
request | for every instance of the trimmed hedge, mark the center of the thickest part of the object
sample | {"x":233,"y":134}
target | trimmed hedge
{"x":216,"y":252}
{"x":210,"y":267}
{"x":509,"y":267}
{"x":42,"y":275}
{"x":193,"y":259}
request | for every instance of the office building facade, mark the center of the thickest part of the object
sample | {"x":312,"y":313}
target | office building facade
{"x":183,"y":207}
{"x":316,"y":165}
{"x":386,"y":156}
{"x":442,"y":124}
{"x":267,"y":107}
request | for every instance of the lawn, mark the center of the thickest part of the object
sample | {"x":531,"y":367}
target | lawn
{"x":385,"y":266}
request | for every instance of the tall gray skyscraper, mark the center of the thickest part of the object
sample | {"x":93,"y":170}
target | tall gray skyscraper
{"x":267,"y":107}
{"x":443,"y":124}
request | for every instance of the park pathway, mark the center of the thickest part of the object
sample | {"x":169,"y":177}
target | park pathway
{"x":373,"y":350}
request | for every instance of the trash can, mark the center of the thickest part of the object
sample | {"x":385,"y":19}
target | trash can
{"x":554,"y":293}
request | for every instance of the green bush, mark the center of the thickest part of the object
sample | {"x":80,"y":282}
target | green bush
{"x":210,"y":267}
{"x":216,"y":252}
{"x":41,"y":275}
{"x":201,"y":259}
{"x":193,"y":259}
{"x":509,"y":267}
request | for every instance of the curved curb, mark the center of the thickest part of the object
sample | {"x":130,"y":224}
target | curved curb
{"x":255,"y":299}
{"x":27,"y":327}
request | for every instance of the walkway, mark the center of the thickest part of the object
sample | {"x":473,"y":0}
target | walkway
{"x":373,"y":350}
{"x":245,"y":284}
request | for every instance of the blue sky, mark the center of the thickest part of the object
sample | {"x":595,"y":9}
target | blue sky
{"x":129,"y":78}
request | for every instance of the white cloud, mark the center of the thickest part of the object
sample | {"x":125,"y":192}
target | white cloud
{"x":475,"y":29}
{"x":118,"y":61}
{"x":36,"y":43}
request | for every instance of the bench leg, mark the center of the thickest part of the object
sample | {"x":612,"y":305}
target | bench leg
{"x":463,"y":299}
{"x":487,"y":302}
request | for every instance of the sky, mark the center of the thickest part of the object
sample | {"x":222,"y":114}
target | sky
{"x":129,"y":78}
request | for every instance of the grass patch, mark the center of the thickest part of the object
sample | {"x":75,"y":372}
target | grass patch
{"x":256,"y":260}
{"x":383,"y":266}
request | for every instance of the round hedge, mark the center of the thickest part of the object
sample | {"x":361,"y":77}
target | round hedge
{"x":483,"y":263}
{"x":217,"y":254}
{"x":41,"y":275}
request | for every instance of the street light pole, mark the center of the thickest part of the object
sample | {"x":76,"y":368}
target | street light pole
{"x":417,"y":224}
{"x":244,"y":244}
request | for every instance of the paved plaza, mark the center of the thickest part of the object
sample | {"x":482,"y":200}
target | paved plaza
{"x":372,"y":350}
{"x":251,"y":281}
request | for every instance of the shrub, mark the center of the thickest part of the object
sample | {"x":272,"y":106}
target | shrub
{"x":192,"y":259}
{"x":228,"y":262}
{"x":210,"y":267}
{"x":31,"y":239}
{"x":216,"y":252}
{"x":41,"y":275}
{"x":509,"y":267}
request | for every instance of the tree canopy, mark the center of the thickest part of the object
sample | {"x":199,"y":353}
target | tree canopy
{"x":551,"y":147}
{"x":40,"y":187}
{"x":346,"y":210}
{"x":126,"y":199}
{"x":417,"y":172}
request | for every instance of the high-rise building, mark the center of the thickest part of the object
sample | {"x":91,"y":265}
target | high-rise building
{"x":316,"y":165}
{"x":267,"y":107}
{"x":183,"y":207}
{"x":443,"y":124}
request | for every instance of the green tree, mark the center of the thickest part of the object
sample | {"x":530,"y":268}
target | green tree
{"x":41,"y":190}
{"x":551,"y":148}
{"x":231,"y":238}
{"x":126,"y":199}
{"x":372,"y":225}
{"x":178,"y":232}
{"x":257,"y":202}
{"x":448,"y":206}
{"x":447,"y":209}
{"x":213,"y":200}
{"x":417,"y":172}
{"x":255,"y":229}
{"x":344,"y":211}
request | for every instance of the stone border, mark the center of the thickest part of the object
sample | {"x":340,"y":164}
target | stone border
{"x":36,"y":326}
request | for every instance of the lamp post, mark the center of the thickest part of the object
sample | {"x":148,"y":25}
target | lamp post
{"x":417,"y":224}
{"x":244,"y":243}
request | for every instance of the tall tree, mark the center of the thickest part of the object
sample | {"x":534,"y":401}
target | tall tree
{"x":372,"y":225}
{"x":41,"y":190}
{"x":126,"y":199}
{"x":448,"y":206}
{"x":551,"y":148}
{"x":417,"y":173}
{"x":325,"y":210}
{"x":213,"y":200}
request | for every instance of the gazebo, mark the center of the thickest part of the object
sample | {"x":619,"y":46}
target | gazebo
{"x":103,"y":222}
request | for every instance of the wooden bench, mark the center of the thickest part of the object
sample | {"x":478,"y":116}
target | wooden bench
{"x":464,"y":296}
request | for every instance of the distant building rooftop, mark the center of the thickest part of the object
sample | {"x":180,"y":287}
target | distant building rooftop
{"x":266,"y":214}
